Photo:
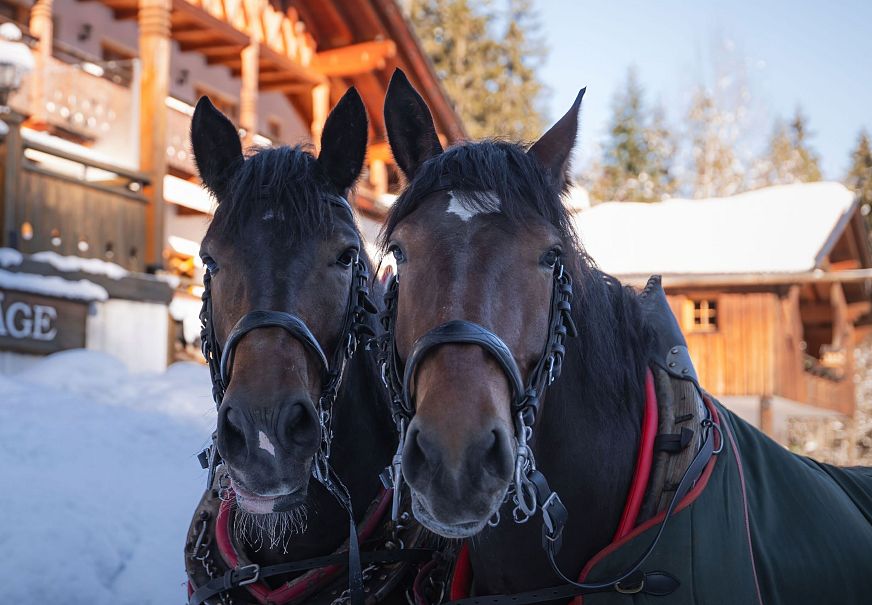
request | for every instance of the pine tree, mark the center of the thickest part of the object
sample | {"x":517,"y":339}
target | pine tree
{"x":492,"y":80}
{"x":637,"y":158}
{"x":788,"y":158}
{"x":860,"y":175}
{"x":716,"y":171}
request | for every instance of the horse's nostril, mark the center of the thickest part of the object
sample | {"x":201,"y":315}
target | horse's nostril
{"x":231,"y":437}
{"x":299,"y":423}
{"x":417,"y":454}
{"x":496,"y":453}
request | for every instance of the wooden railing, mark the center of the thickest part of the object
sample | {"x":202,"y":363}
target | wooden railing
{"x":74,"y":205}
{"x":829,"y":393}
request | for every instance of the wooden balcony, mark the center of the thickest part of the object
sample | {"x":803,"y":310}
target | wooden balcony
{"x":72,"y":204}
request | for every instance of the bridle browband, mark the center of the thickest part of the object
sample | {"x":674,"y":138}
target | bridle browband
{"x":354,"y":330}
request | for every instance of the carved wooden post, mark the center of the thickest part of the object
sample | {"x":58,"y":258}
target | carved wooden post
{"x":248,"y":93}
{"x":320,"y":109}
{"x":378,"y":176}
{"x":41,"y":26}
{"x":154,"y":53}
{"x":767,"y":420}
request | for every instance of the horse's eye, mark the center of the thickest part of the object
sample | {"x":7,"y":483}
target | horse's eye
{"x":550,"y":258}
{"x":347,"y":258}
{"x":398,"y":253}
{"x":211,"y":265}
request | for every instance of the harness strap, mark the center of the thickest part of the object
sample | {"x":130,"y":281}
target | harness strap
{"x":462,"y":332}
{"x":655,"y":583}
{"x":248,"y":574}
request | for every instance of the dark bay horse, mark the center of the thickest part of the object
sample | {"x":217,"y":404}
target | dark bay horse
{"x":494,"y":299}
{"x":286,"y":300}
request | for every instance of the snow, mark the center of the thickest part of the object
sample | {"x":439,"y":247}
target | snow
{"x":10,"y":257}
{"x":186,"y":309}
{"x":100,"y":479}
{"x":773,"y":230}
{"x":52,"y":286}
{"x":94,"y":266}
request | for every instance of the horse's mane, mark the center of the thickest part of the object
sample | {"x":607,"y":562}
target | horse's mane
{"x":285,"y":182}
{"x":611,"y":354}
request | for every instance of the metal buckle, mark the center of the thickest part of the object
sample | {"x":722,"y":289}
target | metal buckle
{"x":551,"y":532}
{"x":632,"y":589}
{"x":254,"y":569}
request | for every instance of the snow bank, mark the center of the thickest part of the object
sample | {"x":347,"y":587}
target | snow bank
{"x":94,"y":266}
{"x":100,"y":479}
{"x":10,"y":257}
{"x":186,"y":309}
{"x":52,"y":286}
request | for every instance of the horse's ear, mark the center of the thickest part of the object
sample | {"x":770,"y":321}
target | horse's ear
{"x":554,"y":148}
{"x":343,"y":141}
{"x":217,"y":148}
{"x":411,"y":132}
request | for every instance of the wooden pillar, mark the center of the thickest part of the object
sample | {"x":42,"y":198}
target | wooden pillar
{"x":378,"y":176}
{"x":248,"y":93}
{"x":154,"y":55}
{"x":767,"y":422}
{"x":41,"y":26}
{"x":12,"y":172}
{"x":320,"y":110}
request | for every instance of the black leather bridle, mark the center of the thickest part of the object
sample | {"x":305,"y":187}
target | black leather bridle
{"x":354,"y":330}
{"x":530,"y":490}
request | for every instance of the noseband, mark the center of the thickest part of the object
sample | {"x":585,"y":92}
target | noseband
{"x":526,"y":397}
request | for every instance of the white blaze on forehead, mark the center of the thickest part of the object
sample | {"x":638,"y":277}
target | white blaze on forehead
{"x":467,"y":205}
{"x":264,"y":443}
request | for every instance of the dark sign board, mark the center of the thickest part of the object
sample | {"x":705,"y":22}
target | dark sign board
{"x":32,"y":323}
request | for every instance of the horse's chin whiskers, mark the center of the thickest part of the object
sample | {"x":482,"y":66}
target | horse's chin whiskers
{"x":271,"y":530}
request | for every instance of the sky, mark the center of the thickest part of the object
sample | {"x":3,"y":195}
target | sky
{"x":815,"y":55}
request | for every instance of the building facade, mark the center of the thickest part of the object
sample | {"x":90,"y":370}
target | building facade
{"x":772,"y":289}
{"x":97,"y":163}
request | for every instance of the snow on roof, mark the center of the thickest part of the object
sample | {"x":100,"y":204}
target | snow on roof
{"x":94,"y":266}
{"x":9,"y":257}
{"x":52,"y":286}
{"x":773,"y":230}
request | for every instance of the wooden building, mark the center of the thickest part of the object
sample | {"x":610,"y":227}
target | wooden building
{"x":772,"y":289}
{"x":101,"y":165}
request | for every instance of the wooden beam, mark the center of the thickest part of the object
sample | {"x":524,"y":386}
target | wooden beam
{"x":211,"y":45}
{"x":288,"y":89}
{"x":379,"y":151}
{"x":185,"y":16}
{"x":320,"y":110}
{"x":248,"y":92}
{"x":154,"y":52}
{"x":354,"y":59}
{"x":41,"y":26}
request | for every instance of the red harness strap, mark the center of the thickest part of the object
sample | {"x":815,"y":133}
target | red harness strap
{"x":461,"y":581}
{"x":309,"y":581}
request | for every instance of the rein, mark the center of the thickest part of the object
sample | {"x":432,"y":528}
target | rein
{"x":529,"y":491}
{"x":220,"y":361}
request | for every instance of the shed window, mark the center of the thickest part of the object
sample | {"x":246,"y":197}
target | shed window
{"x":705,"y":315}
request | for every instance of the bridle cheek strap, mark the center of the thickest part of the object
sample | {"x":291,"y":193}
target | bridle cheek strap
{"x":461,"y":332}
{"x":268,"y":319}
